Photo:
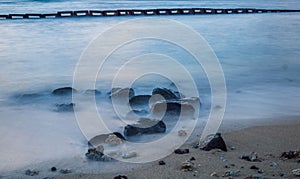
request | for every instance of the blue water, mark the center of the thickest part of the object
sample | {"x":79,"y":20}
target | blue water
{"x":259,"y":54}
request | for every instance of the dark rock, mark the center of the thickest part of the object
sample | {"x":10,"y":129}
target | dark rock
{"x":100,"y":139}
{"x":253,"y":167}
{"x":95,"y":155}
{"x":216,"y":143}
{"x":140,"y":100}
{"x":121,"y":92}
{"x":166,"y":93}
{"x":139,"y":129}
{"x":161,"y":162}
{"x":231,"y":173}
{"x":121,"y":177}
{"x":182,"y":151}
{"x":31,"y":172}
{"x":187,"y":166}
{"x":260,"y":171}
{"x":192,"y":158}
{"x":252,"y":157}
{"x":290,"y":154}
{"x":65,"y":107}
{"x":119,"y":135}
{"x":53,"y":169}
{"x":65,"y":171}
{"x":196,"y":146}
{"x":172,"y":108}
{"x":255,"y":176}
{"x":64,"y":91}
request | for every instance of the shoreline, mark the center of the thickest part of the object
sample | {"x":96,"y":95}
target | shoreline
{"x":268,"y":141}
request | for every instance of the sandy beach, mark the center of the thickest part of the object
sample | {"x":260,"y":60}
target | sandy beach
{"x":268,"y":141}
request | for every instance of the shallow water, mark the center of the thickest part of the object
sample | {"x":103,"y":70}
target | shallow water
{"x":258,"y":53}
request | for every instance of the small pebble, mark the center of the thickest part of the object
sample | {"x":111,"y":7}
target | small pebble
{"x":273,"y":164}
{"x":260,"y":171}
{"x":53,"y":169}
{"x":182,"y":151}
{"x":192,"y":158}
{"x":233,"y":165}
{"x":31,"y":172}
{"x":214,"y":174}
{"x":223,"y":159}
{"x":121,"y":177}
{"x":253,"y":167}
{"x":296,"y":172}
{"x":281,"y":174}
{"x":232,"y":148}
{"x":161,"y":162}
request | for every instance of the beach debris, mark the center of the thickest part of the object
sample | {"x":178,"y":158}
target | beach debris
{"x":64,"y":91}
{"x":113,"y":140}
{"x":121,"y":177}
{"x":216,"y":142}
{"x":129,"y":155}
{"x":53,"y":169}
{"x":255,"y":176}
{"x":146,"y":126}
{"x":253,"y":167}
{"x":296,"y":172}
{"x":231,"y":173}
{"x":161,"y":162}
{"x":31,"y":172}
{"x":65,"y":171}
{"x":182,"y":133}
{"x":182,"y":151}
{"x":187,"y":166}
{"x":290,"y":154}
{"x":252,"y":157}
{"x":192,"y":159}
{"x":95,"y":155}
{"x":65,"y":107}
{"x":214,"y":174}
{"x":274,"y":164}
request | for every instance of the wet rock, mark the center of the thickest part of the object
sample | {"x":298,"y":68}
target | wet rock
{"x":255,"y":176}
{"x":31,"y":172}
{"x":53,"y":169}
{"x":187,"y":166}
{"x":296,"y":172}
{"x":214,"y":174}
{"x":121,"y":177}
{"x":100,"y":139}
{"x":182,"y":151}
{"x":172,"y":108}
{"x":166,"y":93}
{"x":196,"y":146}
{"x":216,"y":142}
{"x":95,"y":155}
{"x":121,"y":92}
{"x":290,"y":154}
{"x":129,"y":155}
{"x":231,"y":173}
{"x":65,"y":171}
{"x":182,"y":133}
{"x":113,"y":140}
{"x":253,"y":167}
{"x":161,"y":162}
{"x":139,"y":100}
{"x":65,"y":107}
{"x":145,"y":127}
{"x":64,"y":91}
{"x":252,"y":157}
{"x":100,"y":148}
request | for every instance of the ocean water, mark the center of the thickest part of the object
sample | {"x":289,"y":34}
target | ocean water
{"x":259,"y":54}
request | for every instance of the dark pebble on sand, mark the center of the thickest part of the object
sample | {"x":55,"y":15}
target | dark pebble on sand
{"x":192,"y":158}
{"x":182,"y":151}
{"x":162,"y":162}
{"x":121,"y":177}
{"x":53,"y":169}
{"x":253,"y":167}
{"x":281,"y":174}
{"x":31,"y":172}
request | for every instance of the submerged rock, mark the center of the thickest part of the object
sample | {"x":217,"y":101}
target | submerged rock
{"x":64,"y":91}
{"x":121,"y":92}
{"x":216,"y":142}
{"x":176,"y":108}
{"x":31,"y":172}
{"x":146,"y":127}
{"x":166,"y":93}
{"x":139,"y":100}
{"x":95,"y":155}
{"x":65,"y":107}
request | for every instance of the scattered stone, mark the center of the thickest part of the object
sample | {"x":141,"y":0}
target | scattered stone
{"x":53,"y":169}
{"x":113,"y":140}
{"x":121,"y":92}
{"x":166,"y":93}
{"x":253,"y":167}
{"x":139,"y":100}
{"x":214,"y":174}
{"x":182,"y":133}
{"x":232,"y":148}
{"x":290,"y":154}
{"x":296,"y":172}
{"x":223,"y":159}
{"x":255,"y":176}
{"x":233,"y":165}
{"x":48,"y":178}
{"x":182,"y":151}
{"x":274,"y":164}
{"x":231,"y":173}
{"x":65,"y":171}
{"x":100,"y":148}
{"x":161,"y":162}
{"x":68,"y":107}
{"x":139,"y":129}
{"x":192,"y":159}
{"x":64,"y":91}
{"x":100,"y":139}
{"x":31,"y":172}
{"x":216,"y":142}
{"x":95,"y":155}
{"x":92,"y":91}
{"x":252,"y":157}
{"x":298,"y":160}
{"x":226,"y":166}
{"x":121,"y":177}
{"x":260,"y":171}
{"x":281,"y":174}
{"x":187,"y":166}
{"x":129,"y":155}
{"x":196,"y":146}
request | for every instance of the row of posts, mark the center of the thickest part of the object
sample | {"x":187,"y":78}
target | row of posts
{"x":136,"y":12}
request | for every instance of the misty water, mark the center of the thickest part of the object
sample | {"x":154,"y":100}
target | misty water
{"x":259,"y":54}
